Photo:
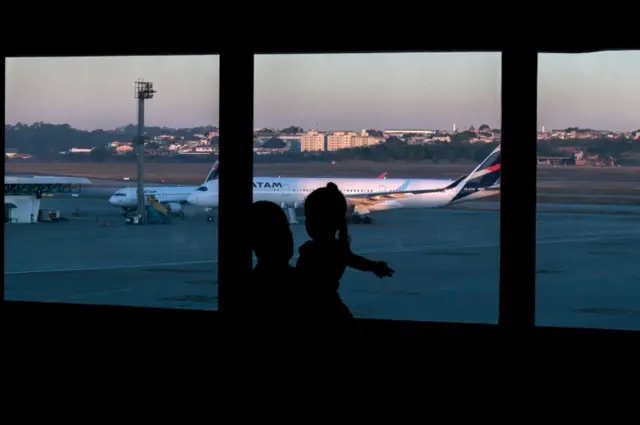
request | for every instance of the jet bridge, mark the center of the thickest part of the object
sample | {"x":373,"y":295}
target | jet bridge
{"x":22,"y":195}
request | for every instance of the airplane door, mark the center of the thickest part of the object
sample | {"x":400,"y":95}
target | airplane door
{"x":285,"y":189}
{"x":382,"y":188}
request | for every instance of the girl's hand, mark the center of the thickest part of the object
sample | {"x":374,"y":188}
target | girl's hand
{"x":381,"y":269}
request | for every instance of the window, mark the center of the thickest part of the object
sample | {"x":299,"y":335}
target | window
{"x":588,"y":190}
{"x":429,"y":120}
{"x":77,"y":117}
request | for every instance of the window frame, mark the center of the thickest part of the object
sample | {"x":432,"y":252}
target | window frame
{"x":517,"y":213}
{"x":517,"y":221}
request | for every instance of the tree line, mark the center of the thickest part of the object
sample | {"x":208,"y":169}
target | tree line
{"x":393,"y":148}
{"x":46,"y":141}
{"x":624,"y":151}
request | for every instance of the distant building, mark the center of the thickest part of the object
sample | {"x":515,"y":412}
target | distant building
{"x":12,"y":153}
{"x":293,"y":141}
{"x":295,"y":145}
{"x":313,"y":141}
{"x":274,"y":143}
{"x":401,"y":132}
{"x":350,"y":139}
{"x":340,"y":140}
{"x":122,"y":149}
{"x":365,"y":140}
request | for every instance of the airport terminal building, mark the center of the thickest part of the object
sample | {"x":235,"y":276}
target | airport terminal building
{"x":22,"y":195}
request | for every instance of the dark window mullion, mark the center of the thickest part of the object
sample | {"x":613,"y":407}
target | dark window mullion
{"x":236,"y":174}
{"x":518,"y":190}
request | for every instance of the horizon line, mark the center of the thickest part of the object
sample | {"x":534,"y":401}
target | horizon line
{"x":307,"y":130}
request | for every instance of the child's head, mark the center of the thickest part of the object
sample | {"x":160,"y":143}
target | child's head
{"x":271,"y":237}
{"x":325,"y":213}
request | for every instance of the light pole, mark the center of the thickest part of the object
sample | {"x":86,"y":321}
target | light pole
{"x":143,"y":91}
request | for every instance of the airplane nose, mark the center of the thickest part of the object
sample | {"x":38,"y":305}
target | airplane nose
{"x":112,"y":200}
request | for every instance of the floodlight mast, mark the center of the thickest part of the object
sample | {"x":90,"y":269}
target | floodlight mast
{"x":143,"y":91}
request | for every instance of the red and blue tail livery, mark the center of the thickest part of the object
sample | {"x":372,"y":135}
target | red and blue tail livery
{"x":483,"y":180}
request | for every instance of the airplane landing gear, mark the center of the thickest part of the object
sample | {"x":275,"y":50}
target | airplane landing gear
{"x":291,"y":215}
{"x":210,"y":217}
{"x":357,"y":219}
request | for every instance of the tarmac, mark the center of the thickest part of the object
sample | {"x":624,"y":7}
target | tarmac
{"x":446,"y":262}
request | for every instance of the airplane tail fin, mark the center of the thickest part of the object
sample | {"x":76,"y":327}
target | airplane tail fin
{"x":484,"y":177}
{"x":383,"y":176}
{"x":486,"y":174}
{"x":213,"y":174}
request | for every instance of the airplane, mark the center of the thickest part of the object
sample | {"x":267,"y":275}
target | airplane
{"x":173,"y":196}
{"x":383,"y":176}
{"x":365,"y":196}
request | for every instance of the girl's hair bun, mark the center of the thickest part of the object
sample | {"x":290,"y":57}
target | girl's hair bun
{"x":332,"y":186}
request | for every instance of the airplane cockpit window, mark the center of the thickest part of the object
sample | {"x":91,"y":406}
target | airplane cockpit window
{"x":202,"y":188}
{"x":121,"y":194}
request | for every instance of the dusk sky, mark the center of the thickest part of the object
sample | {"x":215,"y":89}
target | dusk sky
{"x":591,"y":90}
{"x":351,"y":92}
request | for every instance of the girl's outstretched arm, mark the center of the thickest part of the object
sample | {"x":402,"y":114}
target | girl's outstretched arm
{"x":359,"y":263}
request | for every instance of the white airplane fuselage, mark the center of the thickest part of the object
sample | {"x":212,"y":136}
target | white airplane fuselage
{"x":366,"y":195}
{"x":291,"y":192}
{"x":128,"y":197}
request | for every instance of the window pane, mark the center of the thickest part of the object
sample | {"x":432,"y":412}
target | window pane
{"x":405,"y":137}
{"x":78,"y":117}
{"x":588,"y":190}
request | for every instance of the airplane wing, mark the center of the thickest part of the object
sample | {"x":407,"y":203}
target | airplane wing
{"x":372,"y":198}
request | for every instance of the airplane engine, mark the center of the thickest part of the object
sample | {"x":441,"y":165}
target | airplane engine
{"x":297,"y":205}
{"x":174,"y":207}
{"x":350,"y":210}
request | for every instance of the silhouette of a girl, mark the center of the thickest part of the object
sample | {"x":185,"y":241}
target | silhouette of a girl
{"x":324,"y":259}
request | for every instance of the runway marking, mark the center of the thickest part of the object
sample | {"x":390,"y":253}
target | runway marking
{"x":113,"y":267}
{"x":418,"y":248}
{"x":490,"y":245}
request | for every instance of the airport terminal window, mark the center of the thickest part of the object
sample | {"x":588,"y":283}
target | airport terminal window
{"x":81,"y":121}
{"x":588,"y":190}
{"x":429,"y":120}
